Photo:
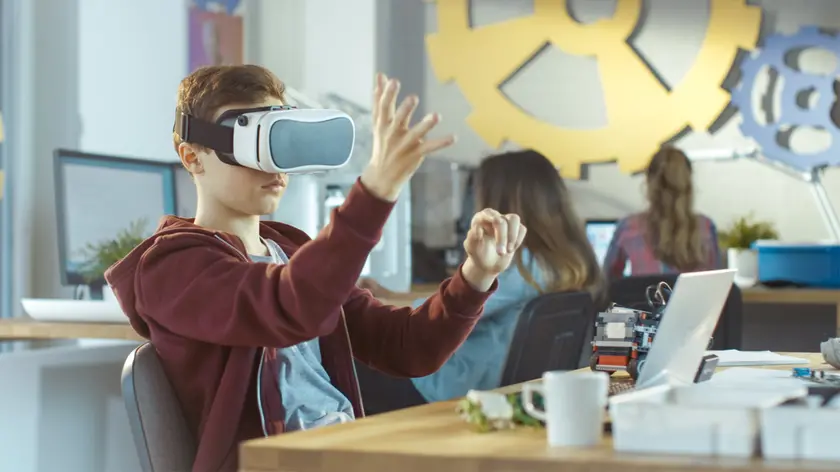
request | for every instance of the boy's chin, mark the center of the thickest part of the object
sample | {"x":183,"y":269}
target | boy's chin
{"x":268,"y":206}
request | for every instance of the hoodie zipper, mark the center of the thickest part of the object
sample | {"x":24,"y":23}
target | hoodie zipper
{"x":259,"y":393}
{"x":262,"y":354}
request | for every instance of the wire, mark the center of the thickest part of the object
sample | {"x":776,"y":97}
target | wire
{"x":658,"y":295}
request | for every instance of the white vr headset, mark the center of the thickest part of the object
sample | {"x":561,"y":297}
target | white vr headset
{"x":275,"y":139}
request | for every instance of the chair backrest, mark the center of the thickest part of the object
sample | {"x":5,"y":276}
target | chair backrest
{"x":550,"y":335}
{"x":163,"y":440}
{"x":630,"y":292}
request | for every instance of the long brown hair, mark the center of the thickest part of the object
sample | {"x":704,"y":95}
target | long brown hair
{"x":673,"y":230}
{"x":526,"y":183}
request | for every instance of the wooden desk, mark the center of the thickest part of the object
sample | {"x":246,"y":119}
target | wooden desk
{"x":27,"y":329}
{"x":433,"y":438}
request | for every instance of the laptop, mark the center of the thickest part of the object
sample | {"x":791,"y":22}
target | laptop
{"x":683,"y":334}
{"x":600,"y":235}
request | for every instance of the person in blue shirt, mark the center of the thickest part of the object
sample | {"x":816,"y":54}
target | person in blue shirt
{"x":555,"y":257}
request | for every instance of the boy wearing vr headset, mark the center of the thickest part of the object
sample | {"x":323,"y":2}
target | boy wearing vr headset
{"x":255,"y":324}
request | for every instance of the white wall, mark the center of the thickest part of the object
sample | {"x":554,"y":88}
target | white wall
{"x":320,"y":46}
{"x":131,"y":57}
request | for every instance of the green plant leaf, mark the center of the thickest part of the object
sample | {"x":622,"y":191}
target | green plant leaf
{"x":744,"y":231}
{"x":103,"y":254}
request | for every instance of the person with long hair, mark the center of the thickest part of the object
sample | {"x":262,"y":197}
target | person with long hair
{"x":555,"y":257}
{"x":669,"y":237}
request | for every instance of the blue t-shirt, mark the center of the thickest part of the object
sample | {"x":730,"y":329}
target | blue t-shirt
{"x":478,"y":363}
{"x":309,"y":398}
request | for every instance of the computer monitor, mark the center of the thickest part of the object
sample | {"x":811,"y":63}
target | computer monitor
{"x":186,"y":199}
{"x":600,"y":234}
{"x":97,"y":196}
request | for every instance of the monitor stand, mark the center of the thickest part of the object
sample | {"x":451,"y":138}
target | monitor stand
{"x":95,"y":291}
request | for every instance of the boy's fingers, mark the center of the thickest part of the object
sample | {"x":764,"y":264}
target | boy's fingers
{"x":389,"y":102}
{"x":384,"y":102}
{"x":378,"y":86}
{"x":420,"y":130}
{"x":404,"y":112}
{"x":431,"y":146}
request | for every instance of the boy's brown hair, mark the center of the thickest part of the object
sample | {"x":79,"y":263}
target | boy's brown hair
{"x":207,"y":89}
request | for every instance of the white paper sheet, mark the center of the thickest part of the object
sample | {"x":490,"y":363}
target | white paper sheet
{"x":734,"y":357}
{"x":757,"y":379}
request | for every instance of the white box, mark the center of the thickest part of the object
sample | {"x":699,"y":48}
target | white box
{"x":799,"y":432}
{"x":699,"y":419}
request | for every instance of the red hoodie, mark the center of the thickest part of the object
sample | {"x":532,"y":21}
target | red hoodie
{"x":216,"y":318}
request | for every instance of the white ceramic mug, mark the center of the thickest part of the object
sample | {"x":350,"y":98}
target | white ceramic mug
{"x":574,"y":406}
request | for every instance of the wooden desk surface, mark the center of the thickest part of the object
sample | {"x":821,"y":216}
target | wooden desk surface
{"x":433,"y":438}
{"x":27,"y":329}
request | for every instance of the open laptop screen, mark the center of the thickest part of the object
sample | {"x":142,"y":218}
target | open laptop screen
{"x":600,"y":234}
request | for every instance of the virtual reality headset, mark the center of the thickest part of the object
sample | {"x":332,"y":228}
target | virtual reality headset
{"x":275,"y":139}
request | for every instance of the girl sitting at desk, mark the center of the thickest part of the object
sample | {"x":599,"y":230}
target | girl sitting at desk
{"x":669,"y":237}
{"x":555,"y":257}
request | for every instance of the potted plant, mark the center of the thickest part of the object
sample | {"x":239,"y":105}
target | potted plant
{"x":738,"y":240}
{"x":103,"y":254}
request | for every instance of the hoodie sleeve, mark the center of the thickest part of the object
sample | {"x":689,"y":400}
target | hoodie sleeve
{"x":414,"y":342}
{"x":195,"y":288}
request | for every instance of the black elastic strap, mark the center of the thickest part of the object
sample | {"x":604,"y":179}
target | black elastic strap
{"x":204,"y":133}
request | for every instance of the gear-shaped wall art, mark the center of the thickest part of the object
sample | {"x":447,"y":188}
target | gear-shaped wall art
{"x":793,"y":112}
{"x":641,"y":112}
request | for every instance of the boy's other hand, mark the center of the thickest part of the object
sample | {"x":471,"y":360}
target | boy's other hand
{"x":398,"y":150}
{"x":491,"y":242}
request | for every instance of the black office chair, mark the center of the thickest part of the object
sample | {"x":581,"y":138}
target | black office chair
{"x":550,"y":335}
{"x":164,"y":442}
{"x":630,"y":292}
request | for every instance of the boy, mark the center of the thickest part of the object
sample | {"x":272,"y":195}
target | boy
{"x":254,"y":322}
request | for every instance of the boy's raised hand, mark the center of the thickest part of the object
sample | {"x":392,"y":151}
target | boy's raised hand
{"x":398,"y":150}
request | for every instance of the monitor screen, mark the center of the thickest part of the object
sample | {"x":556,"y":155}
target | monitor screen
{"x":600,"y":233}
{"x":99,"y":196}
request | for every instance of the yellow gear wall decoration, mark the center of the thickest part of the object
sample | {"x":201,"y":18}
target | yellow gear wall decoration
{"x":641,"y":113}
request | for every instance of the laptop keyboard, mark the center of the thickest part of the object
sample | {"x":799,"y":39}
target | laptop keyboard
{"x":621,"y":386}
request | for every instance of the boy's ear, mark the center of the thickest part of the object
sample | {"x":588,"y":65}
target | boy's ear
{"x":190,"y":158}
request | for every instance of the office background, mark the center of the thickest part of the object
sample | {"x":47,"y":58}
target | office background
{"x":108,"y":87}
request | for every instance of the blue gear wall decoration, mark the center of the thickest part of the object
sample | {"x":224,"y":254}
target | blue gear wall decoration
{"x":791,"y":114}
